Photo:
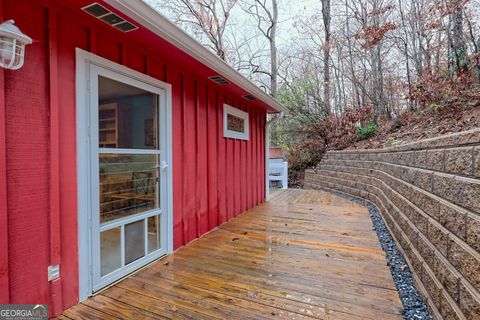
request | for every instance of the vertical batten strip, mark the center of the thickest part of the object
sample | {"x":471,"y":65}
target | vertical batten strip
{"x":55,"y":243}
{"x":92,"y":41}
{"x":123,"y":54}
{"x":252,"y":159}
{"x":222,"y":202}
{"x":177,"y":140}
{"x":262,"y":157}
{"x":206,"y":170}
{"x":4,"y":273}
{"x":254,"y":156}
{"x":183,"y":152}
{"x":257,"y":156}
{"x":190,"y":156}
{"x":230,"y":174}
{"x":245,"y":151}
{"x":196,"y":157}
{"x":211,"y":125}
{"x":261,"y":186}
{"x":236,"y":174}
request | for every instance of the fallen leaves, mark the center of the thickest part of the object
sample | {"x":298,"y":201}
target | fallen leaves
{"x":424,"y":124}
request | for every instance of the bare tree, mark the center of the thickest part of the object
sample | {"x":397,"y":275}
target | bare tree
{"x":342,"y":54}
{"x":265,"y":14}
{"x":208,"y":17}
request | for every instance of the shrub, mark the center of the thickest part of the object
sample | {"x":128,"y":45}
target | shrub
{"x":444,"y":89}
{"x":340,"y":130}
{"x":335,"y":132}
{"x":364,"y":133}
{"x":305,"y":154}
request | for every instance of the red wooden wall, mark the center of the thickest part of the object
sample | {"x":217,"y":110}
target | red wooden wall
{"x":215,"y":178}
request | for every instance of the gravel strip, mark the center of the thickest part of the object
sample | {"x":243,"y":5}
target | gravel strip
{"x":414,"y":308}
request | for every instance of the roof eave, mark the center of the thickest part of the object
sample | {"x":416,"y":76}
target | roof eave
{"x":149,"y":18}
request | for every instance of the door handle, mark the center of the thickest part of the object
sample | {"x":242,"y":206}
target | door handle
{"x":164,"y":166}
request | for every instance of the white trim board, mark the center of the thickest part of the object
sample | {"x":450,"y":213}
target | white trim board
{"x":152,"y":20}
{"x":83,"y":61}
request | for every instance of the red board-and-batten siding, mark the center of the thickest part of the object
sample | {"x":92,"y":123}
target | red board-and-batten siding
{"x":215,"y":178}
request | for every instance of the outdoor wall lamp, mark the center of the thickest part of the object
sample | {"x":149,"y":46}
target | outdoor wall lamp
{"x":12,"y":45}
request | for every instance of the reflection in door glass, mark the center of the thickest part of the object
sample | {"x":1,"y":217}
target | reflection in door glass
{"x":127,"y":116}
{"x":128,"y":185}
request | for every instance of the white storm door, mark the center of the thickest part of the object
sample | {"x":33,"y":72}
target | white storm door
{"x":127,"y":174}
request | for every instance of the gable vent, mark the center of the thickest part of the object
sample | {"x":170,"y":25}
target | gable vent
{"x":249,"y":97}
{"x":219,"y":80}
{"x":110,"y":18}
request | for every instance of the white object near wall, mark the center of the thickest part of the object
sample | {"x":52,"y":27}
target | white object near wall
{"x":278,"y":171}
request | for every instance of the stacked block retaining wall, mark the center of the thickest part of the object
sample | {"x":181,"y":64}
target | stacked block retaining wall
{"x":428,"y":193}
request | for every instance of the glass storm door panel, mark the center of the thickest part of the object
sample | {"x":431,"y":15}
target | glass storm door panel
{"x":126,"y":172}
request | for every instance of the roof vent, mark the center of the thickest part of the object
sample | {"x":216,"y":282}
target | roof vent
{"x":219,"y":80}
{"x":249,"y":97}
{"x":98,"y":11}
{"x":126,"y":26}
{"x":111,"y":19}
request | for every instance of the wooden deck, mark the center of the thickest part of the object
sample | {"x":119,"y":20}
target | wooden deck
{"x":305,"y":254}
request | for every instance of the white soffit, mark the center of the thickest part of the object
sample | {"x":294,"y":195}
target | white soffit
{"x":151,"y":19}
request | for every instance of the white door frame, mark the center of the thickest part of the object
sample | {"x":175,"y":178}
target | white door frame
{"x":84,"y":60}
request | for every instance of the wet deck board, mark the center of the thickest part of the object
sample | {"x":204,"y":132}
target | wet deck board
{"x":303,"y":255}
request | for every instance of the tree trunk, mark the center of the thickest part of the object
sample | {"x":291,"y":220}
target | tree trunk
{"x":411,"y":106}
{"x":350,"y":55}
{"x":326,"y":53}
{"x":474,"y":45}
{"x":458,"y":40}
{"x":273,"y":50}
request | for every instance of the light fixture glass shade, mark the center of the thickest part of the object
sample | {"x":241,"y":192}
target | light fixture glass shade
{"x":12,"y":45}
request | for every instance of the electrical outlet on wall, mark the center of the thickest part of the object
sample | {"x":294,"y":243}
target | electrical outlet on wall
{"x":53,"y":272}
